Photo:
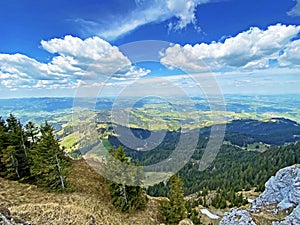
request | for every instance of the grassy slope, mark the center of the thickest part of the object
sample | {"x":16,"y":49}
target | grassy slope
{"x":88,"y":204}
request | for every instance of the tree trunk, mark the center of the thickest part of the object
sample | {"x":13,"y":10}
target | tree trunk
{"x":15,"y":164}
{"x":59,"y":172}
{"x":23,"y":145}
{"x":124,"y":194}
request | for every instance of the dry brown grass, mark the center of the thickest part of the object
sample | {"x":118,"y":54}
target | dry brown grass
{"x":267,"y":217}
{"x":88,"y":203}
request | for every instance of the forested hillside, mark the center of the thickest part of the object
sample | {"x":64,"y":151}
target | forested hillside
{"x":235,"y":169}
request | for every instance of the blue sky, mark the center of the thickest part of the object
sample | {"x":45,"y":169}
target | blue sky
{"x":50,"y":48}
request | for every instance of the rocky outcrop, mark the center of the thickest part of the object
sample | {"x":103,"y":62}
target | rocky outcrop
{"x":282,"y":190}
{"x":237,"y":217}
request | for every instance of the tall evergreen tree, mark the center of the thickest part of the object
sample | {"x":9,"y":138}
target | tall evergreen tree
{"x":49,"y":163}
{"x":124,"y":197}
{"x":16,"y":138}
{"x":3,"y":134}
{"x":174,"y":210}
{"x":10,"y":163}
{"x":3,"y":142}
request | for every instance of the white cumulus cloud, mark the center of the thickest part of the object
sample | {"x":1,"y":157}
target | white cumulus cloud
{"x":291,"y":54}
{"x":74,"y":59}
{"x":247,"y":50}
{"x":89,"y":53}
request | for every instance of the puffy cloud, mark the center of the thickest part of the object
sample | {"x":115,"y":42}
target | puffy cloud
{"x":15,"y":65}
{"x":290,"y":55}
{"x":89,"y":53}
{"x":295,"y":11}
{"x":133,"y":73}
{"x":152,"y":11}
{"x":184,"y":10}
{"x":247,"y":50}
{"x":75,"y":59}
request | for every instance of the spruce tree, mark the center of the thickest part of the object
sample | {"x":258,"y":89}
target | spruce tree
{"x":10,"y":162}
{"x":16,"y":139}
{"x":174,"y":210}
{"x":49,"y":163}
{"x":31,"y":132}
{"x":124,"y":197}
{"x":3,"y":142}
{"x":3,"y":134}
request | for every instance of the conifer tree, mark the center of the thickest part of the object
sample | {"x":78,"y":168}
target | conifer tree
{"x":10,"y":163}
{"x":124,"y":197}
{"x":16,"y":139}
{"x":174,"y":210}
{"x":3,"y":134}
{"x":3,"y":142}
{"x":49,"y":164}
{"x":31,"y":132}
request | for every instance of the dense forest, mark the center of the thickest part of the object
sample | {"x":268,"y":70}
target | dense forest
{"x":233,"y":170}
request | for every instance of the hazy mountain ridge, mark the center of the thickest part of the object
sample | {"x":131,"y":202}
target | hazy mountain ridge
{"x":276,"y":131}
{"x":286,"y":106}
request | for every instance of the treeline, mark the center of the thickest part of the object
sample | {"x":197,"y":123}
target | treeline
{"x":233,"y":170}
{"x":32,"y":154}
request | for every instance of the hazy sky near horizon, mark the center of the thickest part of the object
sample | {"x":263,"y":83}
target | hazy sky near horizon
{"x":60,"y":48}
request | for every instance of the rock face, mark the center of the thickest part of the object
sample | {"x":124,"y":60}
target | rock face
{"x":237,"y":217}
{"x":283,"y":189}
{"x":282,"y":192}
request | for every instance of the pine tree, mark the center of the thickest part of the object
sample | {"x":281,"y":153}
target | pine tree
{"x":49,"y":164}
{"x":124,"y":197}
{"x":174,"y":210}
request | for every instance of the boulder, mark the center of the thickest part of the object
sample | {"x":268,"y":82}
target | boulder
{"x":237,"y":217}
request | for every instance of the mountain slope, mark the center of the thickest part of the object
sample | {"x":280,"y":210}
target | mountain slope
{"x":88,"y":204}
